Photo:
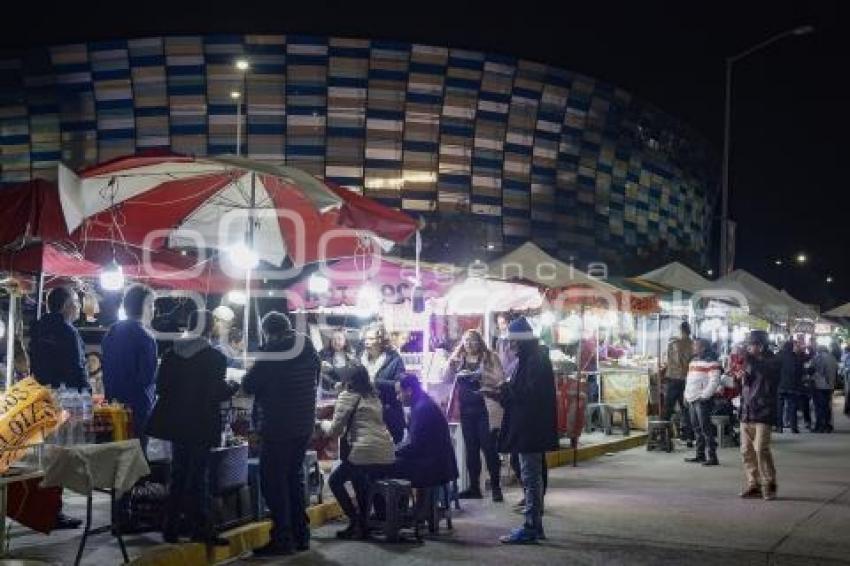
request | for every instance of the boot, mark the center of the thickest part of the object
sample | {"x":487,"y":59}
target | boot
{"x":698,"y":459}
{"x":711,"y":460}
{"x":768,"y":492}
{"x":751,"y":492}
{"x":473,"y":492}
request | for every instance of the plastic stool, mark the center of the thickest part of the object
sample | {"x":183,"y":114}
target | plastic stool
{"x":398,"y":496}
{"x":659,"y":435}
{"x":720,"y":421}
{"x":617,"y":409}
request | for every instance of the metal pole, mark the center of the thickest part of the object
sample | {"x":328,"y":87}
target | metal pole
{"x":239,"y":125}
{"x":247,"y":315}
{"x":10,"y":341}
{"x":40,"y":303}
{"x":724,"y":212}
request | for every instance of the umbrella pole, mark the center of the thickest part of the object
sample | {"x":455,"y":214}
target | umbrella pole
{"x":40,"y":295}
{"x":246,"y":320}
{"x":10,"y":341}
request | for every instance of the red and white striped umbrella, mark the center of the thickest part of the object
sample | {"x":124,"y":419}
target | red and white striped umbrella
{"x":213,"y":203}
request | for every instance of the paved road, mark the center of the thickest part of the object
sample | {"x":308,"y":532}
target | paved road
{"x":650,"y":508}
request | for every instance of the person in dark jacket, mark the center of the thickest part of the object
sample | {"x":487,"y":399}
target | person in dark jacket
{"x":191,"y":386}
{"x":790,"y":387}
{"x":529,"y":426}
{"x":130,"y":358}
{"x":57,"y":355}
{"x":56,"y":349}
{"x":385,"y":366}
{"x":758,"y":414}
{"x":283,"y":382}
{"x":426,"y":457}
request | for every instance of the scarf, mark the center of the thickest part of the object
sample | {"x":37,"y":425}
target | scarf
{"x":373,"y":367}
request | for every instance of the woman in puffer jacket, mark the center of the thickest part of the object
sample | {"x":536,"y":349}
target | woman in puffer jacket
{"x":358,"y":422}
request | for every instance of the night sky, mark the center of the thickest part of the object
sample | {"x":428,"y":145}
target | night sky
{"x":790,"y":121}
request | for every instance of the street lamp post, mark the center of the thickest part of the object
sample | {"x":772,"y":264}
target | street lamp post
{"x":727,"y":123}
{"x":242,"y":65}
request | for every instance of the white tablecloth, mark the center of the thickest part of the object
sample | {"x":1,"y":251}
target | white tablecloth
{"x":84,"y":467}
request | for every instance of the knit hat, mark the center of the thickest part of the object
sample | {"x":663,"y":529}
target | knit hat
{"x":520,"y":329}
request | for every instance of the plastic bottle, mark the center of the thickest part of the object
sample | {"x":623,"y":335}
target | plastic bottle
{"x":87,"y":414}
{"x":62,"y":396}
{"x":75,"y":410}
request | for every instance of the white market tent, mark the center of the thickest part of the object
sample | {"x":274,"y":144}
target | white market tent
{"x":842,"y":312}
{"x":676,"y":275}
{"x":530,"y":263}
{"x":761,"y":299}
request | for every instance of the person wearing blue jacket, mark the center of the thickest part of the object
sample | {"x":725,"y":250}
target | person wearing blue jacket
{"x":385,"y":366}
{"x":56,"y":349}
{"x":130,"y":358}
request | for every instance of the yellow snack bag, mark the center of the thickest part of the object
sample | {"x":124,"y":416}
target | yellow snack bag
{"x":28,"y":413}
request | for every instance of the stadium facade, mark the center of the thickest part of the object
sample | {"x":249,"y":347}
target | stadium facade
{"x":522,"y":149}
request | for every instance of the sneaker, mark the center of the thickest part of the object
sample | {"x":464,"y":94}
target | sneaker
{"x":352,"y":531}
{"x":273,"y":549}
{"x":768,"y":492}
{"x":711,"y":462}
{"x":751,"y":492}
{"x":497,"y":495}
{"x":64,"y":522}
{"x":471,"y":493}
{"x":698,"y":459}
{"x":520,"y":535}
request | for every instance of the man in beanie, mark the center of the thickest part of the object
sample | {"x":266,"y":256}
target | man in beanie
{"x":759,"y":380}
{"x":529,"y":425}
{"x":283,"y":382}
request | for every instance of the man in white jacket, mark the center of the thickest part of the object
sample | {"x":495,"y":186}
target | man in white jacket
{"x":701,"y":384}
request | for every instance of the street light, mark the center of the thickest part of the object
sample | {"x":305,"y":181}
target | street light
{"x":802,"y":258}
{"x":829,"y":278}
{"x":778,"y":262}
{"x":243,"y":66}
{"x":730,"y":61}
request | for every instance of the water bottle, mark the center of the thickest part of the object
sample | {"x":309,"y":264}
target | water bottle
{"x":75,"y":409}
{"x":62,"y":398}
{"x":87,"y":413}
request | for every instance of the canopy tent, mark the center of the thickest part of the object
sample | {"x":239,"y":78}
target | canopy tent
{"x":676,"y":276}
{"x":530,"y":263}
{"x":220,"y":202}
{"x":840,"y":312}
{"x":761,"y":299}
{"x":481,"y":296}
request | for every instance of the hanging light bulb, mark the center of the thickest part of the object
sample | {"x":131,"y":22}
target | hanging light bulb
{"x":112,"y":277}
{"x":318,"y":284}
{"x":368,"y":300}
{"x":243,"y":257}
{"x":237,"y":297}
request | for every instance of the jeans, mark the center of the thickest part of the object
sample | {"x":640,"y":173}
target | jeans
{"x":531,"y":466}
{"x":703,"y":428}
{"x":518,"y":471}
{"x":823,"y":409}
{"x":188,"y":493}
{"x":393,"y":414}
{"x":804,"y":401}
{"x":787,"y":413}
{"x":674,"y":394}
{"x":282,"y":484}
{"x":359,"y":477}
{"x":477,"y":437}
{"x":755,"y":451}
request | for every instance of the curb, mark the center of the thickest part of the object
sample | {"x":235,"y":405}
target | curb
{"x":254,"y":535}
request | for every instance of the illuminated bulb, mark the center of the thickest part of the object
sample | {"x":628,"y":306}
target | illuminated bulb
{"x":243,"y":64}
{"x":318,"y":284}
{"x":112,"y":278}
{"x":235,"y":94}
{"x":237,"y":297}
{"x":801,"y":258}
{"x":368,"y":300}
{"x":243,"y":257}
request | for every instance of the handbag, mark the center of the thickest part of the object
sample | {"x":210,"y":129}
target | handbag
{"x":344,"y":444}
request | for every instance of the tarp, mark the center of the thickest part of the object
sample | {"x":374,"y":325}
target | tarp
{"x":676,"y":276}
{"x":393,"y":277}
{"x":761,"y":299}
{"x":842,"y":312}
{"x":530,"y":263}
